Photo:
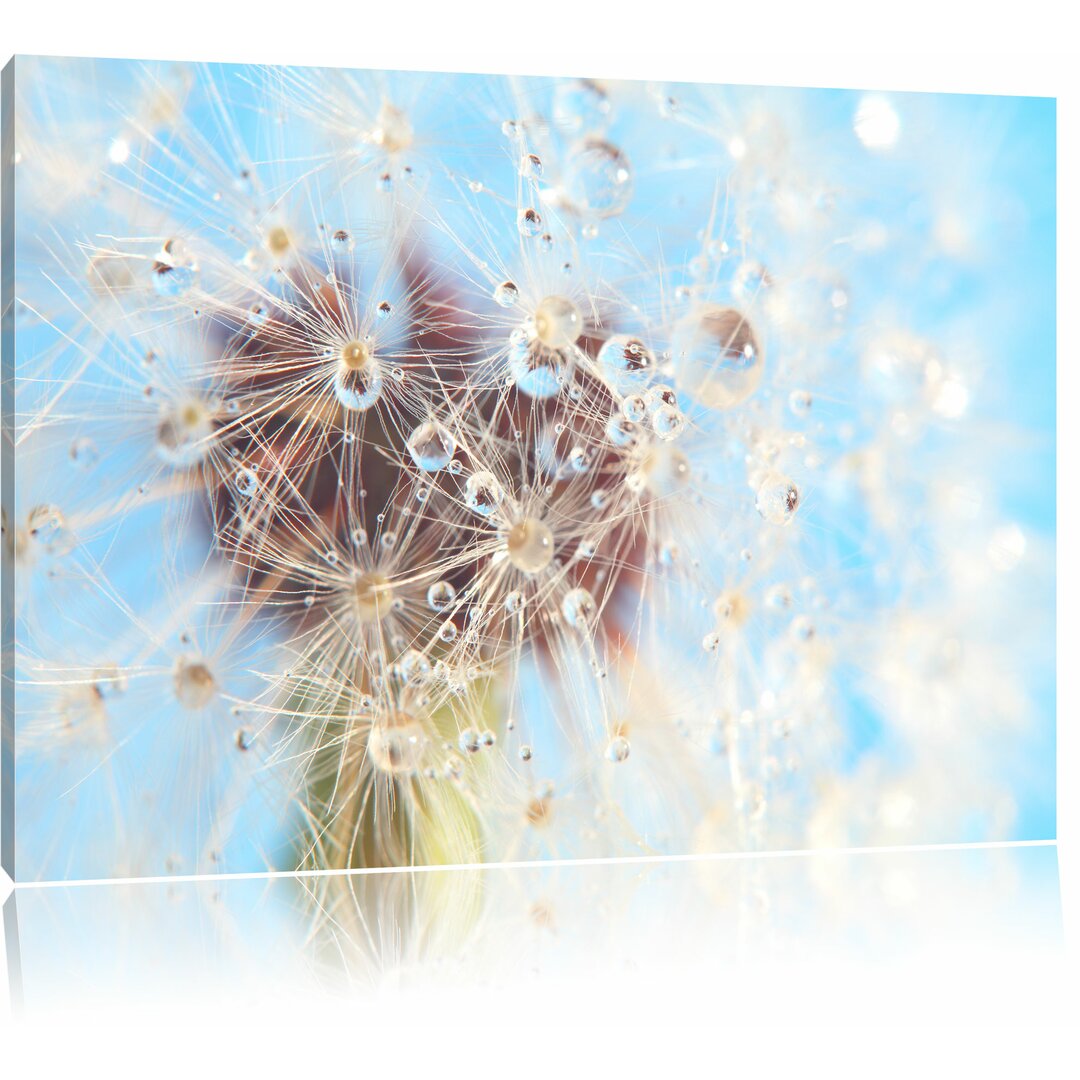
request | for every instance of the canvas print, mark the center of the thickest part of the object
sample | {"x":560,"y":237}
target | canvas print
{"x":426,"y":468}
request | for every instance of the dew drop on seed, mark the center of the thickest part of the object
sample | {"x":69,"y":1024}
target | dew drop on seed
{"x":634,"y":408}
{"x":341,"y":241}
{"x":194,"y":683}
{"x":718,"y":357}
{"x":431,"y":446}
{"x":557,"y":322}
{"x":668,"y":422}
{"x":530,"y":167}
{"x":245,"y":481}
{"x":530,"y":546}
{"x":535,"y":369}
{"x":618,"y":750}
{"x":777,"y":499}
{"x":579,"y":609}
{"x":506,"y":294}
{"x":626,"y":359}
{"x":482,"y":493}
{"x":799,"y":402}
{"x":529,"y":222}
{"x":441,"y":595}
{"x":598,"y":179}
{"x":84,"y":453}
{"x":751,"y":279}
{"x":620,"y":431}
{"x":396,"y":747}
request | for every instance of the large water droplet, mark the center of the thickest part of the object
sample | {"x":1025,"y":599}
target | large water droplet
{"x":718,"y":358}
{"x":431,"y":446}
{"x":598,"y":179}
{"x":530,"y":546}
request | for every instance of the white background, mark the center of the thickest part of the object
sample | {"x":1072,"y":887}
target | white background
{"x":833,"y":1023}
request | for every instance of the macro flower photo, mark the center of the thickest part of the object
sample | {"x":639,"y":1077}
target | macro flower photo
{"x":408,"y":470}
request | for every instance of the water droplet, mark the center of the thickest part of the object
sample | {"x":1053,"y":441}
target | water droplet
{"x":482,"y":493}
{"x":431,"y":446}
{"x":396,"y":746}
{"x":341,"y":241}
{"x":448,"y":632}
{"x":413,"y":667}
{"x":530,"y":167}
{"x":718,"y":357}
{"x":506,"y":294}
{"x":557,"y":322}
{"x":530,"y":546}
{"x":536,"y":370}
{"x":515,"y":601}
{"x":668,"y":422}
{"x":384,"y":310}
{"x":579,"y":609}
{"x":620,"y":431}
{"x":84,"y":452}
{"x":634,"y":408}
{"x":174,"y":271}
{"x":194,"y":683}
{"x":799,"y":402}
{"x":357,"y":380}
{"x":750,"y":280}
{"x":777,"y":499}
{"x":441,"y":595}
{"x":598,"y":179}
{"x":469,"y":741}
{"x":529,"y":222}
{"x":525,"y":753}
{"x":245,"y":481}
{"x":626,"y":359}
{"x":618,"y":750}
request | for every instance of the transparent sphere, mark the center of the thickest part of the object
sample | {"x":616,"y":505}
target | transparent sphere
{"x":395,"y":747}
{"x":372,"y":597}
{"x":441,"y":595}
{"x":718,"y":357}
{"x":598,"y":179}
{"x":665,"y":470}
{"x":431,"y":446}
{"x":618,"y":750}
{"x":579,"y":609}
{"x":557,"y":322}
{"x":482,"y":492}
{"x":538,"y":371}
{"x":777,"y":499}
{"x":358,"y":380}
{"x":626,"y":360}
{"x":194,"y":683}
{"x":185,"y":432}
{"x":530,"y":546}
{"x":506,"y":294}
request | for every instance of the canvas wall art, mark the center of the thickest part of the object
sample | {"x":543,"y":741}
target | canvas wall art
{"x":409,"y":469}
